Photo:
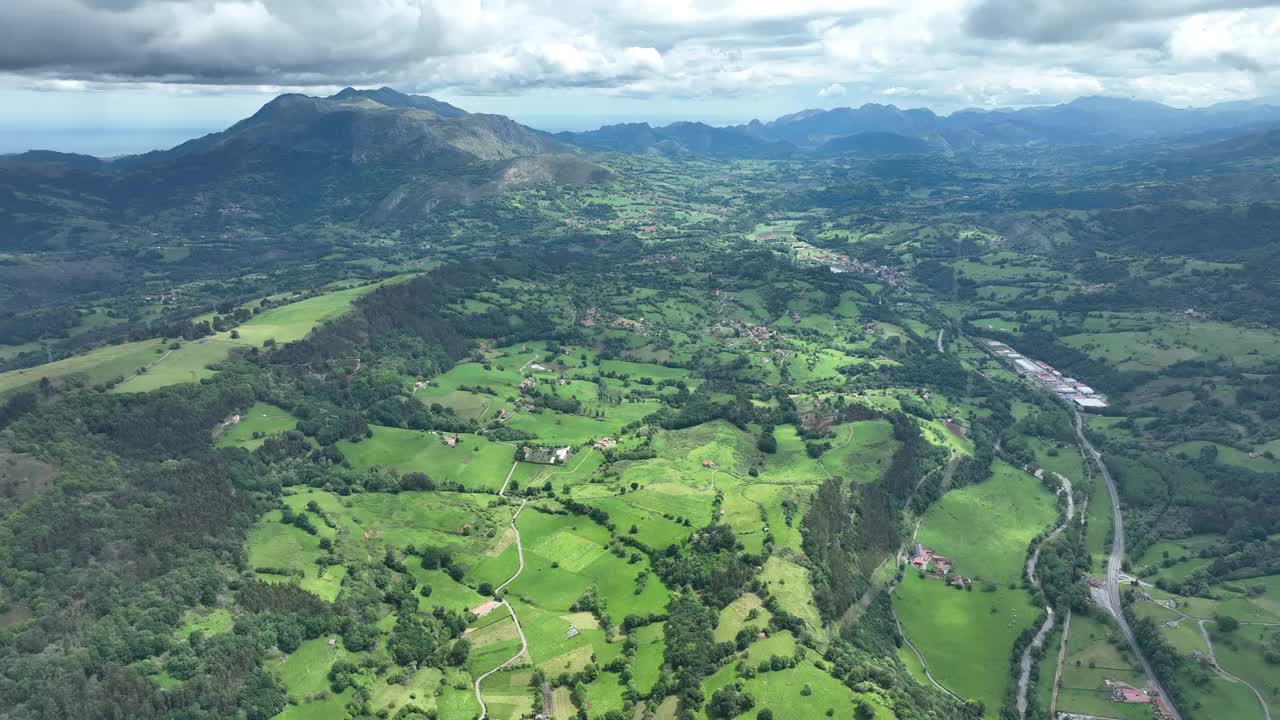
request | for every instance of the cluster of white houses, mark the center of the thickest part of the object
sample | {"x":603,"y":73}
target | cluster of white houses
{"x":1042,"y":372}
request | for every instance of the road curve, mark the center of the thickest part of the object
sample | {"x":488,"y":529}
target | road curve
{"x":1116,"y":559}
{"x":524,"y":642}
{"x":1213,"y":658}
{"x":923,"y":665}
{"x":1024,"y":676}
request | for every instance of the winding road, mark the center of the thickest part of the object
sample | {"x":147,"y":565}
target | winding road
{"x":524,"y":642}
{"x":1115,"y":560}
{"x":1024,"y":676}
{"x":1213,"y":658}
{"x":923,"y":665}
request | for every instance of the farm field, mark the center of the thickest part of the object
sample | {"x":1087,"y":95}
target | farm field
{"x":257,"y":423}
{"x":152,"y":364}
{"x":1096,"y":652}
{"x":477,"y":463}
{"x":96,"y":366}
{"x":985,"y":530}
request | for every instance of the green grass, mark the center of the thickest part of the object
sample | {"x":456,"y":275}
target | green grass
{"x":508,"y":694}
{"x":965,"y":636}
{"x":566,"y":555}
{"x":1095,"y":652}
{"x":733,"y":617}
{"x":333,"y":707}
{"x":1164,"y":340}
{"x":305,"y":671}
{"x":1242,"y":653}
{"x":1223,"y":698}
{"x":275,"y":546}
{"x":784,"y":694}
{"x":647,"y":665}
{"x":370,"y":521}
{"x":1227,"y":455}
{"x":985,"y":528}
{"x":287,"y":323}
{"x":964,"y":642}
{"x":214,"y":621}
{"x":789,"y":583}
{"x":261,"y":419}
{"x":189,"y":363}
{"x":476,"y":462}
{"x":95,"y":366}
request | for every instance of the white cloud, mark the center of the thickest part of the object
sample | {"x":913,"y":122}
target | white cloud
{"x":947,"y":53}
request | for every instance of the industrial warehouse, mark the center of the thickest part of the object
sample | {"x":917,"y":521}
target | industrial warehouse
{"x":1078,"y":393}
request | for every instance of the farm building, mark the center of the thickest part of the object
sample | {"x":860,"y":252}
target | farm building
{"x":1088,"y":402}
{"x":546,"y":455}
{"x":1130,"y":695}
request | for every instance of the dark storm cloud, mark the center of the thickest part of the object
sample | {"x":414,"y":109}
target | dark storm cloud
{"x":1086,"y":21}
{"x":233,"y":41}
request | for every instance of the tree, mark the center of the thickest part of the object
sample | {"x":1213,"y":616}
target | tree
{"x":767,"y":443}
{"x":729,"y":702}
{"x":1227,"y":624}
{"x":485,"y":589}
{"x":459,"y":652}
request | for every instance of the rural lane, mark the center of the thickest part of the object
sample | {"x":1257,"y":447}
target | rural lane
{"x":923,"y":665}
{"x":1024,"y":677}
{"x":524,"y":642}
{"x":1116,"y":559}
{"x":1213,"y":658}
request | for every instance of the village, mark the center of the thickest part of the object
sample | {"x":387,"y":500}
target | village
{"x":1074,"y":391}
{"x":840,"y":263}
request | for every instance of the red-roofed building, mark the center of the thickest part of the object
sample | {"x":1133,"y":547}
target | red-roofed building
{"x":1131,"y":695}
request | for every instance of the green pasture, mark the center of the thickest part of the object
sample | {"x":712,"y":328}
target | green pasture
{"x":567,"y":555}
{"x":258,"y":422}
{"x":733,"y":617}
{"x":789,"y":583}
{"x":985,"y":528}
{"x":213,"y":621}
{"x":274,"y":546}
{"x":784,"y":693}
{"x":965,"y":636}
{"x":1096,"y":651}
{"x":96,"y":366}
{"x":305,"y":671}
{"x":477,"y":462}
{"x":1228,"y":455}
{"x":647,"y":666}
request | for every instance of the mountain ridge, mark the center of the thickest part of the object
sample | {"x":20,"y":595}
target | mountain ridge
{"x":1087,"y":120}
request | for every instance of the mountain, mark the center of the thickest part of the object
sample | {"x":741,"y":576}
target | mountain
{"x":390,"y":98}
{"x":679,"y":139}
{"x":300,"y":157}
{"x":880,"y":144}
{"x":813,"y":128}
{"x":1101,"y":121}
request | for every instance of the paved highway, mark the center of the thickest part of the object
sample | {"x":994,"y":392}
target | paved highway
{"x":1116,"y":559}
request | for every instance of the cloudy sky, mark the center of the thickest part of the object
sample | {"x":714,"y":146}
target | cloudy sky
{"x":175,"y":66}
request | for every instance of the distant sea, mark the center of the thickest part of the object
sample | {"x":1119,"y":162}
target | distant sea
{"x":102,"y":142}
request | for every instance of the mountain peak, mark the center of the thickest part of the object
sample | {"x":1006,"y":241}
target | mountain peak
{"x":396,"y":99}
